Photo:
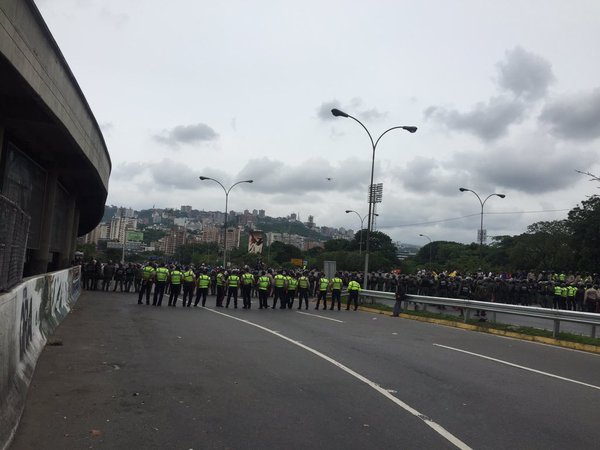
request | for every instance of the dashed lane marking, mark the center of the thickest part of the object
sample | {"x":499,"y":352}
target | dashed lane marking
{"x":529,"y":369}
{"x":430,"y":423}
{"x":320,"y":317}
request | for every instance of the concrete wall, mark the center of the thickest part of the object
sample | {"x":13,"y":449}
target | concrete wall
{"x":28,"y":315}
{"x":28,"y":45}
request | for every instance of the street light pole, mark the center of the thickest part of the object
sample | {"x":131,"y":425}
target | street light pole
{"x":362,"y":221}
{"x":337,"y":113}
{"x":226,"y":211}
{"x":482,"y":203}
{"x":425,"y":236}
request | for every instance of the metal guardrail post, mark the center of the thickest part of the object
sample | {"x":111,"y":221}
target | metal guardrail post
{"x":556,"y":330}
{"x":593,"y":333}
{"x":467,"y":314}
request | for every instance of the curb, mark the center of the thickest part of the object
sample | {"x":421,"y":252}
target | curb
{"x":465,"y":326}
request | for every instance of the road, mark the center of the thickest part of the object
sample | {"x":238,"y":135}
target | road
{"x":128,"y":376}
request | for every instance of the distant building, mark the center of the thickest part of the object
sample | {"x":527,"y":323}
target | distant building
{"x":98,"y":233}
{"x":118,"y":226}
{"x":311,"y":222}
{"x":186,"y":208}
{"x":261,"y":213}
{"x":174,"y":239}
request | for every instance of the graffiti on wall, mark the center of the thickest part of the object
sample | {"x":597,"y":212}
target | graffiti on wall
{"x":26,"y":322}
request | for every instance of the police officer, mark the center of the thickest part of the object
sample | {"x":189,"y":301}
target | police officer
{"x":303,"y":287}
{"x":175,"y":281}
{"x":189,"y":282}
{"x":279,"y":293}
{"x":353,"y":291}
{"x":336,"y":290}
{"x":322,"y":285}
{"x":203,"y":282}
{"x":161,"y":276}
{"x":247,"y":281}
{"x":292,"y":284}
{"x":233,"y":283}
{"x":147,"y":279}
{"x":264,"y":286}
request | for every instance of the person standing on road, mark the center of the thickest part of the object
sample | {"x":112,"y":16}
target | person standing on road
{"x":292,"y":284}
{"x":175,"y":280}
{"x":336,"y":291}
{"x":203,"y":282}
{"x":107,"y":275}
{"x":161,"y":276}
{"x":247,"y":281}
{"x":264,"y":286}
{"x":279,"y":292}
{"x":147,"y":279}
{"x":233,"y":283}
{"x":119,"y":277}
{"x":189,"y":281}
{"x":303,"y":286}
{"x":353,"y":291}
{"x":220,"y":282}
{"x":322,"y":285}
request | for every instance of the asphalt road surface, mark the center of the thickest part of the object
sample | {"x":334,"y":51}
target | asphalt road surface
{"x":129,"y":376}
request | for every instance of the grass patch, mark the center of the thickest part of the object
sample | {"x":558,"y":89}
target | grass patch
{"x":529,"y":331}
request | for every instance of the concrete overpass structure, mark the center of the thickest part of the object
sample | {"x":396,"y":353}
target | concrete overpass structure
{"x":54,"y":170}
{"x":54,"y":163}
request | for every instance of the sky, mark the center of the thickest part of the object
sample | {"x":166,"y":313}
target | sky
{"x":505,"y":95}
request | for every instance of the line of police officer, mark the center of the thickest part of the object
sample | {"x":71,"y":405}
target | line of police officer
{"x":283,"y":287}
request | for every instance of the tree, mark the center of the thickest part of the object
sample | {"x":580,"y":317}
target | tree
{"x":584,"y":224}
{"x":336,"y":245}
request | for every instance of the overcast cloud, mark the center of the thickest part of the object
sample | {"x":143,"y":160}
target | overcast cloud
{"x":187,"y":134}
{"x":574,"y":116}
{"x":506,"y":99}
{"x":524,"y":74}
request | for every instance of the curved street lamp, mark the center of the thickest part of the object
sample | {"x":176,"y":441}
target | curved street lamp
{"x":226,"y":206}
{"x":338,"y":113}
{"x":462,"y":189}
{"x":362,"y":221}
{"x":425,"y":236}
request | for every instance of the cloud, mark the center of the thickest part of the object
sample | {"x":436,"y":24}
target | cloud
{"x":276,"y":177}
{"x":535,"y":166}
{"x":488,"y":121}
{"x":574,"y":116}
{"x":173,"y":175}
{"x":525,"y":74}
{"x":354,"y":108}
{"x":187,"y":134}
{"x":324,"y":111}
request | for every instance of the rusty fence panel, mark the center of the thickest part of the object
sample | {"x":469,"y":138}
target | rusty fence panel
{"x":14,"y":227}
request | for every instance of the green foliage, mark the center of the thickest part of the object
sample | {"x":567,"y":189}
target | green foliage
{"x":152,"y":235}
{"x":584,"y":225}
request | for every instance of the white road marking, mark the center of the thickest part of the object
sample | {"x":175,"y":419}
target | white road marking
{"x":320,"y":317}
{"x":433,"y":425}
{"x":519,"y":367}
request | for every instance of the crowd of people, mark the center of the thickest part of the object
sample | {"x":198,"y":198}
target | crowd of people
{"x":152,"y":281}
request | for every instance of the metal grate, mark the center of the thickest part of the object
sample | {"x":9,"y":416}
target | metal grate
{"x":14,"y":227}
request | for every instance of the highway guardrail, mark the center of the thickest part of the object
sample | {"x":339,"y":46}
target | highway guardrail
{"x":556,"y":315}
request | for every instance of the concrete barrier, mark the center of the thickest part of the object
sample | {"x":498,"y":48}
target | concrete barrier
{"x":29,"y":313}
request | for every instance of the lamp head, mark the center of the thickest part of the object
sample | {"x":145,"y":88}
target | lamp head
{"x":375,"y":214}
{"x":337,"y":113}
{"x":203,"y":178}
{"x":348,"y":211}
{"x":410,"y":129}
{"x":462,"y":189}
{"x":501,"y":195}
{"x":248,"y":181}
{"x":421,"y":235}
